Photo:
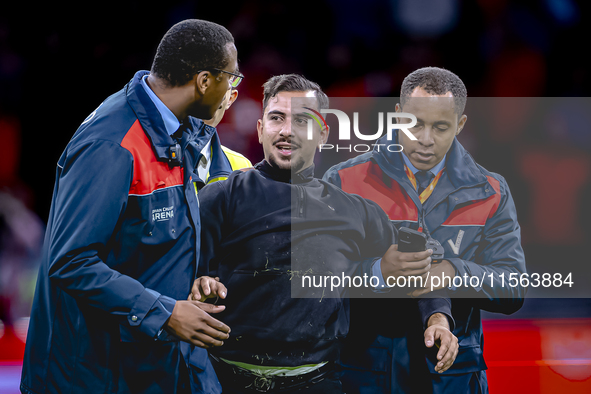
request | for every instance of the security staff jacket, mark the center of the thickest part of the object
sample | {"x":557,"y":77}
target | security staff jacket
{"x":471,"y":213}
{"x":121,"y":246}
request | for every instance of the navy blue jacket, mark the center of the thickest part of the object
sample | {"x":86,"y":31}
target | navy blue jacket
{"x":121,"y":246}
{"x":469,"y":202}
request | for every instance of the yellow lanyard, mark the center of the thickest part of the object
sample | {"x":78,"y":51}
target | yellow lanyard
{"x":427,"y":192}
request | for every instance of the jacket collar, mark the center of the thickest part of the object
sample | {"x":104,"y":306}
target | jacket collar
{"x":462,"y":181}
{"x":220,"y":165}
{"x":153,"y":125}
{"x":149,"y":117}
{"x":286,"y":176}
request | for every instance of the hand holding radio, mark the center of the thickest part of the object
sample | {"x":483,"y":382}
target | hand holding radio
{"x":414,"y":241}
{"x":396,"y":263}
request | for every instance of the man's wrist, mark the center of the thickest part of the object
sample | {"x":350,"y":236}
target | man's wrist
{"x":451,"y":272}
{"x":438,"y":319}
{"x":376,"y":271}
{"x":167,"y":332}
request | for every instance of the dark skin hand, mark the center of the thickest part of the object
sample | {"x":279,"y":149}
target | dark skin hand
{"x":191,"y":322}
{"x":395,"y":263}
{"x":438,"y":333}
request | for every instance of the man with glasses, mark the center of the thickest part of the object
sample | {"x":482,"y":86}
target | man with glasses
{"x":237,"y":161}
{"x":122,"y":240}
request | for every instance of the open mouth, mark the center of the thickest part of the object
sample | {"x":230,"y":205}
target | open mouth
{"x":285,"y":148}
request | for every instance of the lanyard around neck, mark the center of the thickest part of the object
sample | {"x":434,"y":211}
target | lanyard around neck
{"x":427,"y":192}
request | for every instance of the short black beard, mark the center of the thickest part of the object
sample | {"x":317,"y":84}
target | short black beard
{"x":295,"y":166}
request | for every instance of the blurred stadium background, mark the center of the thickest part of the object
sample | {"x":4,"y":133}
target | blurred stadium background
{"x":58,"y":63}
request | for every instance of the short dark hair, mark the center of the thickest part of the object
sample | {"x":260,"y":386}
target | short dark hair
{"x":436,"y":81}
{"x":188,"y":47}
{"x":292,"y":83}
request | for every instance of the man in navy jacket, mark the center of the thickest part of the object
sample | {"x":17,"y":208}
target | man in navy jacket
{"x":120,"y":248}
{"x":434,"y":185}
{"x":267,"y":228}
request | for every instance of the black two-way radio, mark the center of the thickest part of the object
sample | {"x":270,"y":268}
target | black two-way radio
{"x":414,"y":241}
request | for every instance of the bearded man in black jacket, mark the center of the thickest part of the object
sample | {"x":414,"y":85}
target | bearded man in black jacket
{"x":258,"y":223}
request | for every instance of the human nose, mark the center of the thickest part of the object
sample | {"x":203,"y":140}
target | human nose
{"x":425,"y":137}
{"x":285,"y":129}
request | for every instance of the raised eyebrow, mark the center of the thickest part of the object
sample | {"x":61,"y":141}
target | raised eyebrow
{"x":275,"y":112}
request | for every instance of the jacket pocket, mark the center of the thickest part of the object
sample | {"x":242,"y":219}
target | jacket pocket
{"x":469,"y":359}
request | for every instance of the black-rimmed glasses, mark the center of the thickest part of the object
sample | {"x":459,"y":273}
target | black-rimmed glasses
{"x":234,"y":79}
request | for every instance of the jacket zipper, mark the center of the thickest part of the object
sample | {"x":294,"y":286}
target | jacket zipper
{"x":300,"y":201}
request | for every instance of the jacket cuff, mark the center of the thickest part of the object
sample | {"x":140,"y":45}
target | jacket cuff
{"x":430,"y":306}
{"x":150,"y":312}
{"x":461,"y":268}
{"x":376,"y":271}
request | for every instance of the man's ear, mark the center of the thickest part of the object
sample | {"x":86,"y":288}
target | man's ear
{"x":233,"y":97}
{"x":398,"y":109}
{"x":260,"y":130}
{"x":462,"y":123}
{"x":202,"y":81}
{"x":324,"y":134}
